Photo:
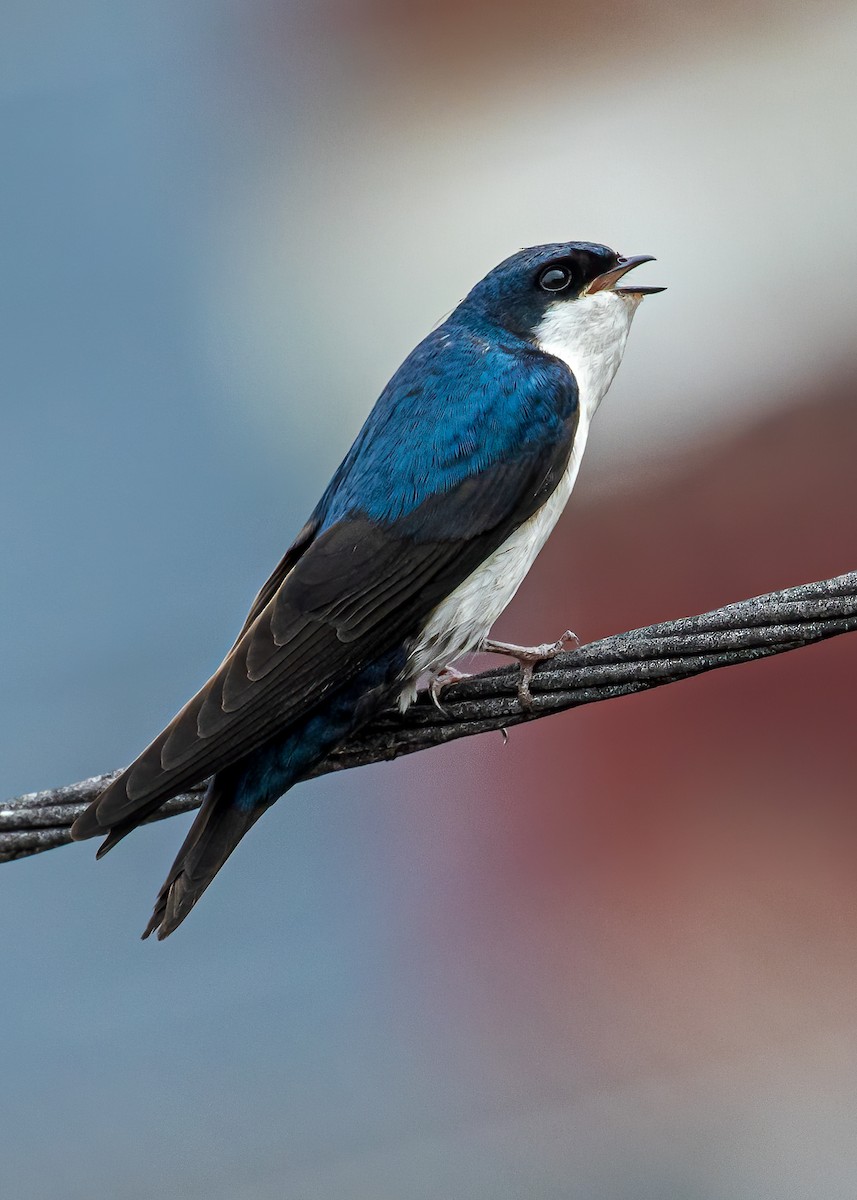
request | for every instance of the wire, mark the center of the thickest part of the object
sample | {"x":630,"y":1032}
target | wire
{"x":615,"y":666}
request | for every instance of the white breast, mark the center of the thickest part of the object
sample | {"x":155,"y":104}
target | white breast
{"x":588,"y":335}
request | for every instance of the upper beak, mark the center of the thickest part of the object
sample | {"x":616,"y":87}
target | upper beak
{"x":607,"y":281}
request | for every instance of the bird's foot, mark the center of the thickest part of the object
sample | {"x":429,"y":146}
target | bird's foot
{"x":438,"y":680}
{"x":527,"y":657}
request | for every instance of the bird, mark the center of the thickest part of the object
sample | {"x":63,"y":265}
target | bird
{"x":421,"y":539}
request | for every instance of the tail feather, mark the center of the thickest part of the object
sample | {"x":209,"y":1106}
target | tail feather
{"x":240,"y":791}
{"x":219,"y":826}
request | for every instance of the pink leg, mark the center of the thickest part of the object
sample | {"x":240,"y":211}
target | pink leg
{"x":527,"y":657}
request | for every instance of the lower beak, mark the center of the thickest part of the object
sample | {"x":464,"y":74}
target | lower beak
{"x":607,"y":282}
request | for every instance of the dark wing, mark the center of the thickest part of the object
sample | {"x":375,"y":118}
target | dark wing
{"x":271,"y":585}
{"x":356,"y":590}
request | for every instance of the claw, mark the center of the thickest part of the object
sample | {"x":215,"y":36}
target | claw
{"x":442,"y":679}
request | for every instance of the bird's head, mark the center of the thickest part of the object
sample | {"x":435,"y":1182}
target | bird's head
{"x":539,"y":282}
{"x":564,"y":298}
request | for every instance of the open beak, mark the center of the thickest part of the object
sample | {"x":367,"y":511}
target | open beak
{"x":607,"y":282}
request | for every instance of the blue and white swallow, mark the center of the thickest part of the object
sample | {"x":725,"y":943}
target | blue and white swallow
{"x":420,"y":541}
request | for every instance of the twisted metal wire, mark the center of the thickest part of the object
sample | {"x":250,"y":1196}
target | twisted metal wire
{"x":614,"y":666}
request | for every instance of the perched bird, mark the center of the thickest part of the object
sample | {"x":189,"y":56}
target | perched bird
{"x":421,"y":539}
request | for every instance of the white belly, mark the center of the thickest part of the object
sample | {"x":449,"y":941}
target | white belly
{"x":464,"y":618}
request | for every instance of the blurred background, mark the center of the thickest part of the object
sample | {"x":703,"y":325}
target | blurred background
{"x":615,"y":959}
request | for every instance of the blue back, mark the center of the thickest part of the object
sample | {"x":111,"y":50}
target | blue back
{"x":468,"y":396}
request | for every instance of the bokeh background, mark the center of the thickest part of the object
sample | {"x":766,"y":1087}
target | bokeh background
{"x":615,"y":959}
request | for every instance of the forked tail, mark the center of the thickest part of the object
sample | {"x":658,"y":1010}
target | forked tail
{"x":239,"y":794}
{"x":219,"y":826}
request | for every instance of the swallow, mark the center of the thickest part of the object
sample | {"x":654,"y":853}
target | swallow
{"x":418,"y":544}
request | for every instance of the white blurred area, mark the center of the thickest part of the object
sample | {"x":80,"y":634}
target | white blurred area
{"x":729,"y":155}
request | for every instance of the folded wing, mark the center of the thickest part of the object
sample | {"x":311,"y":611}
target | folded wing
{"x":338,"y":600}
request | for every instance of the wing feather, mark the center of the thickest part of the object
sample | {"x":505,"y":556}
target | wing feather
{"x":339,"y":598}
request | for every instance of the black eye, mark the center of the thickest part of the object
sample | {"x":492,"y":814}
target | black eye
{"x":555,"y":279}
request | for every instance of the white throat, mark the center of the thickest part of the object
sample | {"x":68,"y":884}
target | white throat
{"x":589,"y":335}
